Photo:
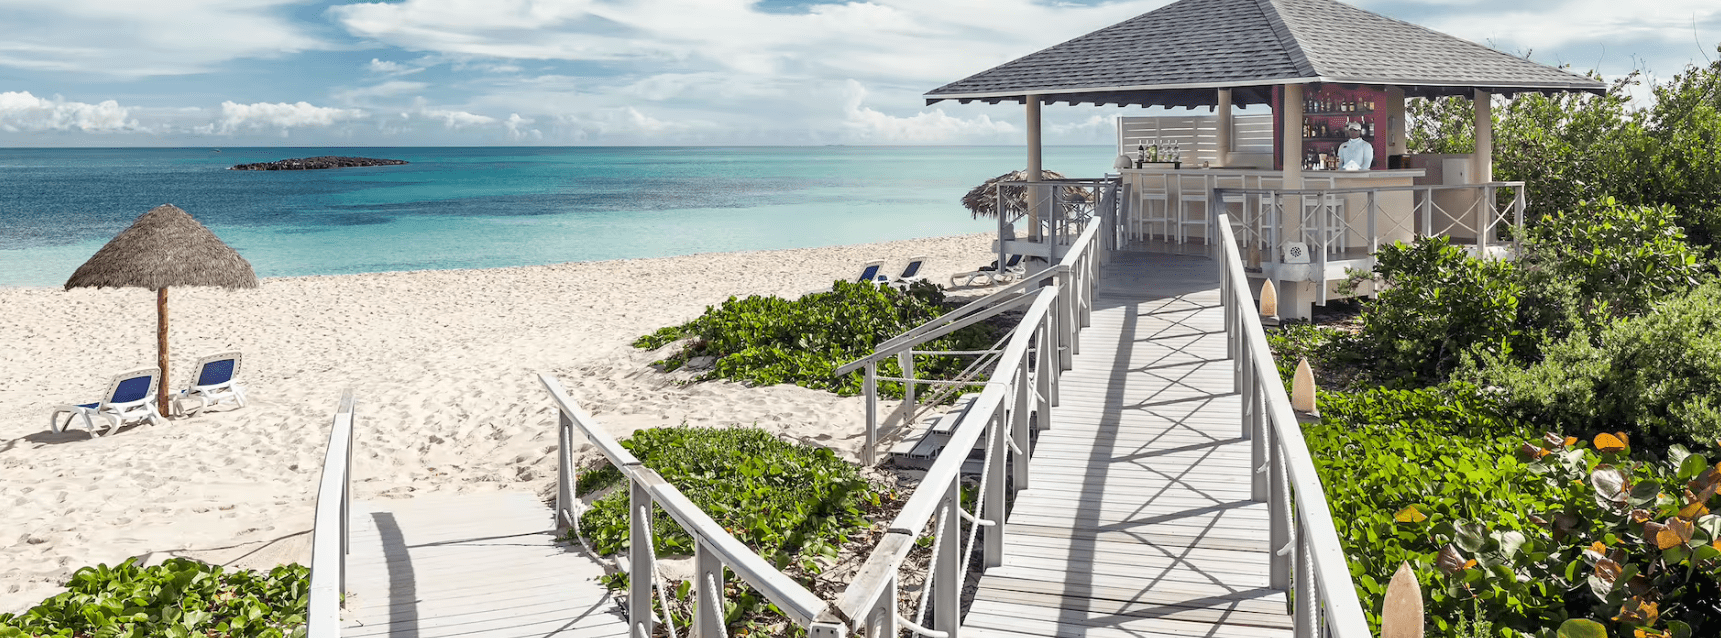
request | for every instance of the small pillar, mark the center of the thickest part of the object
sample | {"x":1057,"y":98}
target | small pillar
{"x":1033,"y":105}
{"x":1224,"y":118}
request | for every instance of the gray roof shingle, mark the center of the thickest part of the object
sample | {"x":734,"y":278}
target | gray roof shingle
{"x":1179,"y":54}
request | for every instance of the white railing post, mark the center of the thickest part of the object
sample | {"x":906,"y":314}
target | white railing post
{"x":869,"y":388}
{"x":881,"y":621}
{"x":1427,"y":212}
{"x":947,"y":575}
{"x":905,"y":360}
{"x":1307,"y":619}
{"x":641,"y":561}
{"x":329,"y":528}
{"x":347,"y":487}
{"x":993,"y":511}
{"x":564,"y":469}
{"x":1019,"y":428}
{"x":1043,"y":374}
{"x":1278,"y":514}
{"x":1373,"y":223}
{"x":1260,"y":478}
{"x":708,"y":585}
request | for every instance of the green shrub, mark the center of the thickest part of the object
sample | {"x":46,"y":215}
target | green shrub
{"x":786,"y":501}
{"x":1621,"y":258}
{"x":179,"y":598}
{"x":771,"y":340}
{"x":1658,"y":375}
{"x":1439,"y":305}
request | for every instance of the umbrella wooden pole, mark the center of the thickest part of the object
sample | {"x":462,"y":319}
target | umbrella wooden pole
{"x":161,"y":347}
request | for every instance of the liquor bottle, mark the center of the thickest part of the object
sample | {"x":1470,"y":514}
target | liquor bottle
{"x":1371,"y":129}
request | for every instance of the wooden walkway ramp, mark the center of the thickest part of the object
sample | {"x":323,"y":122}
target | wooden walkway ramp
{"x":470,"y":565}
{"x":1138,"y":520}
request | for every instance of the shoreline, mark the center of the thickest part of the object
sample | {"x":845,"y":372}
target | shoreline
{"x":441,"y":362}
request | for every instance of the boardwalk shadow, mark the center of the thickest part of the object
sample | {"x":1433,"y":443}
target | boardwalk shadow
{"x":402,"y":581}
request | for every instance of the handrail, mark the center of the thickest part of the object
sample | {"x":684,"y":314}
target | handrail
{"x":329,"y":529}
{"x":1023,"y":390}
{"x":646,"y":487}
{"x":1323,"y":586}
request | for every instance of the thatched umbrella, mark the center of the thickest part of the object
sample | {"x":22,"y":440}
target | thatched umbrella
{"x":164,"y":247}
{"x":983,"y":200}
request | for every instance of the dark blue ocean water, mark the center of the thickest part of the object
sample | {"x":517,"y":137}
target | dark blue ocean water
{"x":491,"y":207}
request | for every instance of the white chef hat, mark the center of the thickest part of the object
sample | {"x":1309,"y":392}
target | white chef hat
{"x":1354,"y":126}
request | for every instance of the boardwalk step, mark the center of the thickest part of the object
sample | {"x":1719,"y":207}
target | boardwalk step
{"x":919,"y":448}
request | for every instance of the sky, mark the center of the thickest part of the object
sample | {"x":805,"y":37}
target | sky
{"x":118,"y":73}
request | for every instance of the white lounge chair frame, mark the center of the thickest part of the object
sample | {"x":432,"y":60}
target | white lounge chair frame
{"x":116,"y":414}
{"x":214,"y":394}
{"x":918,"y":263}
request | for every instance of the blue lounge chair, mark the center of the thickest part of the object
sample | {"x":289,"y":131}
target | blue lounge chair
{"x":911,"y":273}
{"x":214,"y":385}
{"x":130,"y":398}
{"x":869,"y":272}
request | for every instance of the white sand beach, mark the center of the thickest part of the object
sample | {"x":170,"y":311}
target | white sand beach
{"x":442,"y":364}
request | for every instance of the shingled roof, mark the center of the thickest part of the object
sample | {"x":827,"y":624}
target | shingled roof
{"x":1180,"y":54}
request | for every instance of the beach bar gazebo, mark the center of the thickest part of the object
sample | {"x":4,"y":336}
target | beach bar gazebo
{"x":1319,"y":65}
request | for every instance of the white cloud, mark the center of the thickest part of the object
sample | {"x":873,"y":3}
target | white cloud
{"x":134,"y":39}
{"x":864,"y":124}
{"x":21,"y":111}
{"x":386,"y":89}
{"x":279,"y":115}
{"x":387,"y":67}
{"x":455,"y":119}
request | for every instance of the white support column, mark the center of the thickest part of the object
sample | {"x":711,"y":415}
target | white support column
{"x":1033,"y":105}
{"x":1291,"y":132}
{"x":1484,"y":158}
{"x":1224,"y":118}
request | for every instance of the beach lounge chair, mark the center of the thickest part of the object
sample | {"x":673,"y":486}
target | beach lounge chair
{"x":870,"y":272}
{"x":990,"y":273}
{"x":130,"y":398}
{"x":213,"y":385}
{"x":911,"y":273}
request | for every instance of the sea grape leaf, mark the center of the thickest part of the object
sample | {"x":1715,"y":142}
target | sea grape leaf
{"x":1582,"y":628}
{"x":1609,"y":443}
{"x":1609,"y":484}
{"x":1692,"y":466}
{"x":1645,"y":492}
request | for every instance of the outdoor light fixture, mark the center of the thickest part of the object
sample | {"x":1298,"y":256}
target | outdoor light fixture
{"x":1122,"y":162}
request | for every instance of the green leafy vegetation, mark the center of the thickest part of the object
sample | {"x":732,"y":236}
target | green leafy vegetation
{"x":771,"y":340}
{"x":1512,"y":532}
{"x":793,"y":504}
{"x":1657,"y":375}
{"x":178,"y":599}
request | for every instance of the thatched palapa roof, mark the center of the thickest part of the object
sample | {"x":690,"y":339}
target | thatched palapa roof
{"x":982,"y":201}
{"x":164,"y":248}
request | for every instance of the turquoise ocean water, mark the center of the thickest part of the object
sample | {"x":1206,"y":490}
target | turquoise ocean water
{"x":492,"y":207}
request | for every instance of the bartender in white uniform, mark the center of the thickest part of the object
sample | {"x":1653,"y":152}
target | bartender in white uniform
{"x":1356,"y":154}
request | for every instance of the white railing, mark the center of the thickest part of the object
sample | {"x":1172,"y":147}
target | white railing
{"x":714,"y":549}
{"x":1304,"y":543}
{"x":1349,"y":224}
{"x":1019,"y":395}
{"x":1076,"y":275}
{"x":329,"y":529}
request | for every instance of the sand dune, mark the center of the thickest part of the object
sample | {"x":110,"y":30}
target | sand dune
{"x":442,"y":364}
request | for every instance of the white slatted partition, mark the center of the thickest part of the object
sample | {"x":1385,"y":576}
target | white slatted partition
{"x":1197,"y":135}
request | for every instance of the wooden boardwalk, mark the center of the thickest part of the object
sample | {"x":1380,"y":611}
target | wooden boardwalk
{"x":470,"y":565}
{"x":1138,"y":520}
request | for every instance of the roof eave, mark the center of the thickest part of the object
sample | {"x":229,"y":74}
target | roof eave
{"x":1019,"y":95}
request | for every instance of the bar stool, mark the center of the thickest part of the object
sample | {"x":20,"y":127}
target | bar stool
{"x":1153,"y":206}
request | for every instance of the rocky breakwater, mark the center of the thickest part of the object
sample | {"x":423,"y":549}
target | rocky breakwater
{"x":312,"y":163}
